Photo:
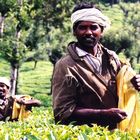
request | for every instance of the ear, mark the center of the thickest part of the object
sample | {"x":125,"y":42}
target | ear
{"x":74,"y":32}
{"x":102,"y":34}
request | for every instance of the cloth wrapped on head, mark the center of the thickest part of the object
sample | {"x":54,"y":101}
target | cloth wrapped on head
{"x":90,"y":14}
{"x":5,"y":81}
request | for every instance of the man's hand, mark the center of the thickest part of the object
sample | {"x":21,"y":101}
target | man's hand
{"x":31,"y":102}
{"x":114,"y":114}
{"x":136,"y":82}
{"x":99,"y":116}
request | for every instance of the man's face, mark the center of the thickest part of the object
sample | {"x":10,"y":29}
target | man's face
{"x":3,"y":90}
{"x":88,"y":34}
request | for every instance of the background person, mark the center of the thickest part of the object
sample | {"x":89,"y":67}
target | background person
{"x":13,"y":107}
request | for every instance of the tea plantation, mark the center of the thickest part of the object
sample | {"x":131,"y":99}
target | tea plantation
{"x":40,"y":125}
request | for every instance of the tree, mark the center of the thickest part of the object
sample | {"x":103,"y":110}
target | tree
{"x":23,"y":19}
{"x":12,"y":46}
{"x":118,"y":41}
{"x":50,"y":19}
{"x":131,"y":23}
{"x":5,"y":6}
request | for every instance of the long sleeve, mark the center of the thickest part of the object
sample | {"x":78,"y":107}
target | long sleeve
{"x":64,"y":93}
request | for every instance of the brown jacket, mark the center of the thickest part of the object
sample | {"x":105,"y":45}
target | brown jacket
{"x":75,"y":83}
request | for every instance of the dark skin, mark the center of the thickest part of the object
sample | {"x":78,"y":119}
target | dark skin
{"x":136,"y":82}
{"x":30,"y":103}
{"x":88,"y":34}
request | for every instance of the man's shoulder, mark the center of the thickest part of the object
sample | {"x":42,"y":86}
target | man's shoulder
{"x":113,"y":58}
{"x":109,"y":52}
{"x":66,"y":60}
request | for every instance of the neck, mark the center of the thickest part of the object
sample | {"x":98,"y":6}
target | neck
{"x":91,"y":50}
{"x":94,"y":50}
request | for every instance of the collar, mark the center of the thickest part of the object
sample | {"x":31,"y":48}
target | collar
{"x":82,"y":53}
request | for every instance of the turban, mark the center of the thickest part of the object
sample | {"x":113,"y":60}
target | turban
{"x":90,"y":14}
{"x":5,"y":81}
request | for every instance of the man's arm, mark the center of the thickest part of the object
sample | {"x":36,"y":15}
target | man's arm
{"x":31,"y":102}
{"x":85,"y":115}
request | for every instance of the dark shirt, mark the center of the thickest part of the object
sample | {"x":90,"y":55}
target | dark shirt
{"x":6,"y":106}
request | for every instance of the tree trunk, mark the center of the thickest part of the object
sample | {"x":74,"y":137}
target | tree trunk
{"x":35,"y":64}
{"x":14,"y":79}
{"x":1,"y":25}
{"x":15,"y":69}
{"x":15,"y":65}
{"x":138,"y":58}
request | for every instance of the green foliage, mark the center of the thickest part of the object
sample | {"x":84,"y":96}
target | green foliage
{"x":5,"y":68}
{"x":5,"y":6}
{"x":43,"y":25}
{"x":118,"y":41}
{"x":131,"y":24}
{"x":37,"y":80}
{"x":40,"y":126}
{"x":10,"y":52}
{"x":16,"y":20}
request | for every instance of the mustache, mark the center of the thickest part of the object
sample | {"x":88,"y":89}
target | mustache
{"x":89,"y":38}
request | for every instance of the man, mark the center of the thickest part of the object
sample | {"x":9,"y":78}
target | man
{"x":14,"y":107}
{"x":84,"y":85}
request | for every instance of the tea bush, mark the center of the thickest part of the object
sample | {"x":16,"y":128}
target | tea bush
{"x":40,"y":126}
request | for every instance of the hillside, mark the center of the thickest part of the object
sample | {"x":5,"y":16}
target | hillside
{"x":35,"y":82}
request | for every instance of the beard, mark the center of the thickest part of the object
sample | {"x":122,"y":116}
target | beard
{"x":87,"y":42}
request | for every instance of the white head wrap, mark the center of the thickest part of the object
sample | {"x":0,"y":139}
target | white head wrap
{"x":90,"y":14}
{"x":5,"y":81}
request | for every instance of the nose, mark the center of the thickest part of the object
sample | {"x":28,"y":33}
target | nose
{"x":88,"y":31}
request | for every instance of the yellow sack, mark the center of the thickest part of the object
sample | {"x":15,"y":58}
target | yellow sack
{"x":19,"y":111}
{"x":128,"y":100}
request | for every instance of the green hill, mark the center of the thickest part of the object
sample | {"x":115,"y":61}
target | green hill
{"x":35,"y":82}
